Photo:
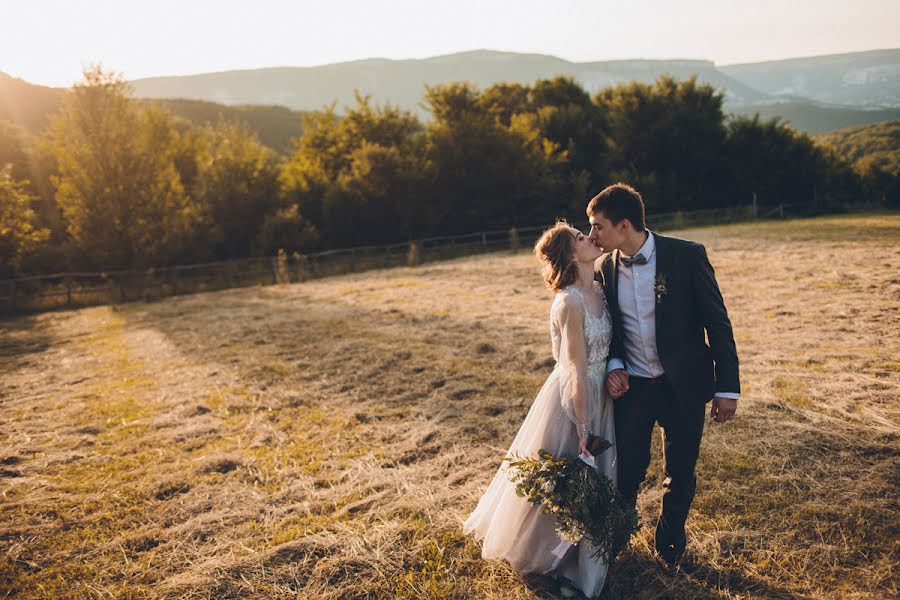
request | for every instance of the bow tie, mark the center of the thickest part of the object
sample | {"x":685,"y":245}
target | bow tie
{"x":637,"y":259}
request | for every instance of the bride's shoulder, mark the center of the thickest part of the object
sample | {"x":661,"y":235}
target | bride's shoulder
{"x":567,"y":299}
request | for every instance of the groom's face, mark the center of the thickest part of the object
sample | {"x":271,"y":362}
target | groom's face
{"x":604,"y":233}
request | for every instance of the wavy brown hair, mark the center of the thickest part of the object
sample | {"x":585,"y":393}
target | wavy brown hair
{"x":557,"y":252}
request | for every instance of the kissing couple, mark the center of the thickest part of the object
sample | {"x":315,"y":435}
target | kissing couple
{"x":629,"y":324}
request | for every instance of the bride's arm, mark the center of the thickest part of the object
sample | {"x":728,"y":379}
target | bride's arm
{"x":573,"y":360}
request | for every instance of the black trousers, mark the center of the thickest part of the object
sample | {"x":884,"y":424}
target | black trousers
{"x":650,"y":401}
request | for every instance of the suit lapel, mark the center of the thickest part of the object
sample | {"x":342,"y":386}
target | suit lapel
{"x":610,"y":274}
{"x":663,"y":271}
{"x":614,"y":276}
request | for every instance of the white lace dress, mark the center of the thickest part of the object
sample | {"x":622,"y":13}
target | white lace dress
{"x":511,"y":527}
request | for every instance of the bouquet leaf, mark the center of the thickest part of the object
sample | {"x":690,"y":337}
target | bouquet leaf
{"x":584,"y":502}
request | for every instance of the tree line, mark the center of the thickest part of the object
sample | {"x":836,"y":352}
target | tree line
{"x":114,"y":184}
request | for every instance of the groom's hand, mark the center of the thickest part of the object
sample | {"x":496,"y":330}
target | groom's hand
{"x":723,"y":409}
{"x":617,"y":383}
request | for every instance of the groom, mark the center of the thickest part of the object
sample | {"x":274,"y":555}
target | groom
{"x":664,"y":300}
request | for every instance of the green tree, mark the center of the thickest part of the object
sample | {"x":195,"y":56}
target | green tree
{"x":286,"y":229}
{"x":237,"y":184}
{"x":505,"y":100}
{"x":781,"y":165}
{"x":568,"y":117}
{"x":13,"y":149}
{"x":382,"y":190}
{"x":19,"y":234}
{"x":874,"y":151}
{"x":362,"y":175}
{"x":319,"y":156}
{"x":667,"y":139}
{"x":118,"y":188}
{"x":485,"y":174}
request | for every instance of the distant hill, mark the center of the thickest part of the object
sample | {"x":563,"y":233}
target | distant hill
{"x":814,"y":119}
{"x":877,"y":142}
{"x":870,"y":79}
{"x":29,"y":107}
{"x":857,"y":80}
{"x":275,"y":126}
{"x":402,"y":82}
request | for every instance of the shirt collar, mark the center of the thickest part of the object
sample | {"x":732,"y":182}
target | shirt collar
{"x":647,"y":249}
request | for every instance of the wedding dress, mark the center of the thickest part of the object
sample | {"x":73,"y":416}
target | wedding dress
{"x":511,"y":527}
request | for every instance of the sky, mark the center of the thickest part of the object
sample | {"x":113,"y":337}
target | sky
{"x":50,"y":41}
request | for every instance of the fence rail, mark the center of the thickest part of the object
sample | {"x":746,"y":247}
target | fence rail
{"x":68,"y":290}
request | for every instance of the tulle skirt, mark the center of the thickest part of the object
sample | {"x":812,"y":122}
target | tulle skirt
{"x":514,"y":529}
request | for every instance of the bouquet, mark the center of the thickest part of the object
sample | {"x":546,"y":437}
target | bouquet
{"x":584,"y":501}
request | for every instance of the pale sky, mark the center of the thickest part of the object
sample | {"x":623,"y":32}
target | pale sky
{"x":49,"y":41}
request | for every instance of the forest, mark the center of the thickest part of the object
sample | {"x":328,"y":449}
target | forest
{"x":116,"y":183}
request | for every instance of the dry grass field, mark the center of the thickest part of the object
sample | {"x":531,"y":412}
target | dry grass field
{"x":327,"y":439}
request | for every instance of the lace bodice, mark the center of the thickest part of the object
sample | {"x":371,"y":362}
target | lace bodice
{"x":597,"y":329}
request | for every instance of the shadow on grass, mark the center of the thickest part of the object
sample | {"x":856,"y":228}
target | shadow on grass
{"x":21,"y":336}
{"x":637,"y":575}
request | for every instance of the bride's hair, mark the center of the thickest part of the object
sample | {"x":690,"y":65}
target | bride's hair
{"x":556,"y":251}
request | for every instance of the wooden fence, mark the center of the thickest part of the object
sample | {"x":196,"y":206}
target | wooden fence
{"x":70,"y":290}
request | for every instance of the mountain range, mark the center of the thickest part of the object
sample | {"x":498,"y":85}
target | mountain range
{"x":867,"y":80}
{"x":862,"y":79}
{"x":814,"y":95}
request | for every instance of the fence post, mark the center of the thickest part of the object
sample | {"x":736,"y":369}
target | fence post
{"x":274,"y":265}
{"x":174,"y":281}
{"x":483,"y":240}
{"x":68,"y":281}
{"x":755,"y":208}
{"x":12,"y":294}
{"x":229,"y":273}
{"x":353,"y":260}
{"x":413,"y":254}
{"x":514,"y":239}
{"x":781,"y":210}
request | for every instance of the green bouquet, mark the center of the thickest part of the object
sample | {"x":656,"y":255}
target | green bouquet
{"x":583,"y":500}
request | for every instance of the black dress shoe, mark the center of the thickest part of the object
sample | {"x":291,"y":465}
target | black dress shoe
{"x":670,"y":557}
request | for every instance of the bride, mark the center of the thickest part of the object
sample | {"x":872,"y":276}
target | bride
{"x":571,"y":405}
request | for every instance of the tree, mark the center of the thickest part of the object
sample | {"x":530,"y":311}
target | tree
{"x":667,"y":139}
{"x":382,"y":190}
{"x":505,"y":100}
{"x":782,"y":165}
{"x":286,"y":229}
{"x":485,"y":174}
{"x":18,"y":233}
{"x":237,"y":185}
{"x":366,"y":169}
{"x":118,"y":188}
{"x":320,"y":155}
{"x":13,"y":150}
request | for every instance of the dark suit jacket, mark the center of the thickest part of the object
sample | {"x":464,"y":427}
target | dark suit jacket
{"x":691,"y":305}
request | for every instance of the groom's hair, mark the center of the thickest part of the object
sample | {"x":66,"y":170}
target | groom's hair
{"x":617,"y":202}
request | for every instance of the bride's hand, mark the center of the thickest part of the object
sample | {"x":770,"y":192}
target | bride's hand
{"x":583,"y":446}
{"x":617,"y":383}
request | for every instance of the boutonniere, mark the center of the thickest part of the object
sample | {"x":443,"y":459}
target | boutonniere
{"x":659,"y":287}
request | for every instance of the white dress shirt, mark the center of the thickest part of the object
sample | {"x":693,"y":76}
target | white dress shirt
{"x":637,"y":307}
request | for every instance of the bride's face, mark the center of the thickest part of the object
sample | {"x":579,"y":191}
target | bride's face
{"x":583,"y":248}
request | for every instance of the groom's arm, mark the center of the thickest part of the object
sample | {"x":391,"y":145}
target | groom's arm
{"x":715,"y":319}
